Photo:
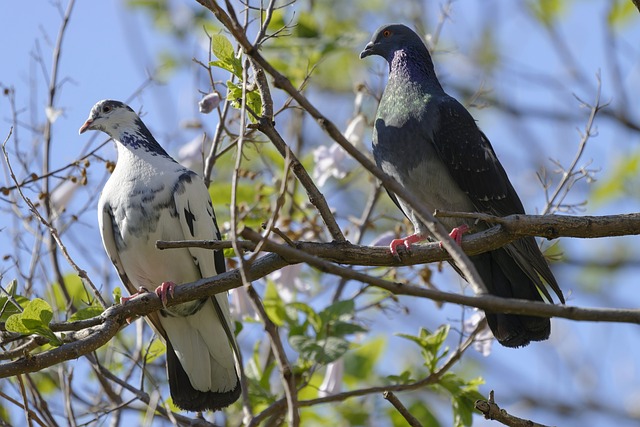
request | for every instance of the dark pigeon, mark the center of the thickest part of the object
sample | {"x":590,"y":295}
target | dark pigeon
{"x":429,"y":143}
{"x":150,"y":197}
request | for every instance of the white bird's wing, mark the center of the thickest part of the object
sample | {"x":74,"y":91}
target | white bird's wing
{"x":110,"y":233}
{"x":212,"y":321}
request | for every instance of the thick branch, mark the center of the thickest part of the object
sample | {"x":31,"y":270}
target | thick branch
{"x":345,"y":253}
{"x":509,"y":228}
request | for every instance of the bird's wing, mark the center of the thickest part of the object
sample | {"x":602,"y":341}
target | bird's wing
{"x":471,"y":161}
{"x":198,"y":222}
{"x":110,"y":233}
{"x":474,"y":166}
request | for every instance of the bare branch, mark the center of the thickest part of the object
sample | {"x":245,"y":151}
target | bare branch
{"x":391,"y":184}
{"x":492,"y":411}
{"x":411,"y":420}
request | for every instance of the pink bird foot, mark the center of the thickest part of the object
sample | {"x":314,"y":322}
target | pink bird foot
{"x":124,"y":300}
{"x":405,"y":242}
{"x":164,"y":290}
{"x":456,"y":234}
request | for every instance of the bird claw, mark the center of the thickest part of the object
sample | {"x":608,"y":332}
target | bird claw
{"x":141,"y":290}
{"x":405,"y":242}
{"x":165,"y":289}
{"x":456,"y":234}
{"x":124,"y":300}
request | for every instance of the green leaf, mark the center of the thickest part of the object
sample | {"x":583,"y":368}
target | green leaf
{"x":431,"y":344}
{"x":547,"y":11}
{"x":404,"y":378}
{"x":322,"y":351}
{"x":338,"y":309}
{"x":273,"y":305}
{"x":11,"y":287}
{"x":419,"y":410}
{"x":621,"y":13}
{"x":222,"y":47}
{"x":8,"y":307}
{"x":622,"y":181}
{"x":34,"y":319}
{"x":312,"y":317}
{"x":360,"y":362}
{"x":155,"y":350}
{"x":86,"y":313}
{"x":463,"y":397}
{"x":117,"y":294}
{"x":223,"y":50}
{"x":253,"y":99}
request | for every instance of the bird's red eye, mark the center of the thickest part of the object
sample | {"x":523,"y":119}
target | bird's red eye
{"x":386,"y":33}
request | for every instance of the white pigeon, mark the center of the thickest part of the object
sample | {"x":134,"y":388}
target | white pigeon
{"x":150,"y":197}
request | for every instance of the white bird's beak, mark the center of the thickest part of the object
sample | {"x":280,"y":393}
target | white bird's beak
{"x":85,"y":126}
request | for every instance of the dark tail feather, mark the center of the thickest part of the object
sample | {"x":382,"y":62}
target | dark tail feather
{"x":188,"y":398}
{"x":504,"y":278}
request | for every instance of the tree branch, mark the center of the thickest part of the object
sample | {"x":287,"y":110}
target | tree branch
{"x":492,"y":411}
{"x":280,"y":81}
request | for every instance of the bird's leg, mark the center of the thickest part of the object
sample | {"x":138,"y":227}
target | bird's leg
{"x":123,"y":300}
{"x":141,"y":290}
{"x":406,"y":242}
{"x":164,"y":290}
{"x":456,"y":234}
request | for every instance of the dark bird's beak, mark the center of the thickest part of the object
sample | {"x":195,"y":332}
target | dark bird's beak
{"x":368,"y":50}
{"x":86,"y":126}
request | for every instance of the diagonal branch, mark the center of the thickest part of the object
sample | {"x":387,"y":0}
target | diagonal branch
{"x":280,"y":81}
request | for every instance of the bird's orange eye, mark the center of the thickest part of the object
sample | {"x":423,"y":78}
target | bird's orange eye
{"x":386,"y":33}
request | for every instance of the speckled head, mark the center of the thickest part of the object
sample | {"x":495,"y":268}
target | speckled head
{"x":107,"y":115}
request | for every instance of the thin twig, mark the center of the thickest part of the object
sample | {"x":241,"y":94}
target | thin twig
{"x":569,"y":172}
{"x":492,"y":411}
{"x":282,"y":82}
{"x":46,"y":157}
{"x":411,"y":420}
{"x":54,"y":232}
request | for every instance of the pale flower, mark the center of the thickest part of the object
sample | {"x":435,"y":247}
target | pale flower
{"x":240,"y":305}
{"x":332,"y":383}
{"x":334,"y":161}
{"x":52,"y":114}
{"x":484,"y":339}
{"x":288,"y":282}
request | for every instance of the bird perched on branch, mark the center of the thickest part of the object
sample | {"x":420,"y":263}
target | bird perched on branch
{"x":431,"y":145}
{"x":151,"y":197}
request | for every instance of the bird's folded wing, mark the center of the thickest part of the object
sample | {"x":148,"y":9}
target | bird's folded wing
{"x":108,"y":231}
{"x":198,"y":222}
{"x":471,"y":161}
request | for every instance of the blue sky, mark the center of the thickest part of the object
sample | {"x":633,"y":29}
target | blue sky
{"x":109,"y":51}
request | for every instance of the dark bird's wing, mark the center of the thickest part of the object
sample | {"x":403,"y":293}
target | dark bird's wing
{"x":518,"y":270}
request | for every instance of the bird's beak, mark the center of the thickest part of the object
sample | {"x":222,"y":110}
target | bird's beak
{"x":86,"y":126}
{"x":368,"y":50}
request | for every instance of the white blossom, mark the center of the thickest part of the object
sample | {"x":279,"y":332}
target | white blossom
{"x":288,"y":282}
{"x":334,"y":161}
{"x":190,"y":154}
{"x":332,"y":383}
{"x":484,"y":339}
{"x":241,"y":306}
{"x":52,"y":114}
